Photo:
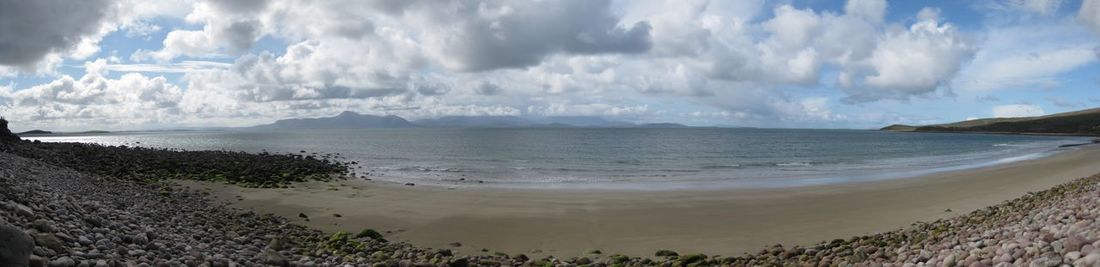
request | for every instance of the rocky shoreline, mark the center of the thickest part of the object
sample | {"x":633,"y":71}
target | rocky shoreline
{"x":59,"y":217}
{"x":54,"y":215}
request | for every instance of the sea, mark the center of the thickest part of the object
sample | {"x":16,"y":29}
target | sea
{"x":618,"y":158}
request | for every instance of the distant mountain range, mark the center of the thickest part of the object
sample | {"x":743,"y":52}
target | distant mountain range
{"x":1082,"y":122}
{"x":346,"y":119}
{"x":34,"y":132}
{"x":44,"y":132}
{"x":352,"y":120}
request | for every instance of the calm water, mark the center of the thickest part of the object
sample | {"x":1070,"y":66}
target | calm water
{"x":621,"y":158}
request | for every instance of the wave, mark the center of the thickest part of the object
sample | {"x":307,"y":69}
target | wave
{"x":629,"y":162}
{"x":793,"y":164}
{"x":427,"y":169}
{"x":721,"y":166}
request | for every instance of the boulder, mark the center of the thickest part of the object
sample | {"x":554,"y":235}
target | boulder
{"x":15,"y":246}
{"x":140,"y":239}
{"x":666,"y":253}
{"x":276,"y":243}
{"x":63,"y":262}
{"x":21,"y":210}
{"x":43,"y":226}
{"x":460,"y":262}
{"x":6,"y":136}
{"x":272,"y":257}
{"x":37,"y":261}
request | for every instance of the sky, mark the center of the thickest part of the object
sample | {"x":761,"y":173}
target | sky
{"x":132,"y":64}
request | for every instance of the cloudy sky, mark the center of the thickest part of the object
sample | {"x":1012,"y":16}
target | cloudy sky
{"x":129,"y":64}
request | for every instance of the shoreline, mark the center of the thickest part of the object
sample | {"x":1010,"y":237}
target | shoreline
{"x":727,"y":222}
{"x":992,"y":132}
{"x":773,"y":172}
{"x":714,"y":184}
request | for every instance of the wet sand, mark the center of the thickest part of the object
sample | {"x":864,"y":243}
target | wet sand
{"x":727,"y":222}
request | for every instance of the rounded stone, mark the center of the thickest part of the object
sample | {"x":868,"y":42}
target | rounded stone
{"x":16,"y":248}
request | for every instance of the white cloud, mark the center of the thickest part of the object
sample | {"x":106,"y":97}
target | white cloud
{"x":93,"y":99}
{"x":464,"y":36}
{"x":141,"y":29}
{"x":1090,"y":14}
{"x":877,"y":61}
{"x":314,"y":70}
{"x":181,"y":67}
{"x":1034,"y":69}
{"x":1017,"y":110}
{"x":916,"y":61}
{"x":1027,"y":57}
{"x":229,"y":27}
{"x":813,"y":109}
{"x":929,"y":13}
{"x":751,"y":61}
{"x":872,"y":10}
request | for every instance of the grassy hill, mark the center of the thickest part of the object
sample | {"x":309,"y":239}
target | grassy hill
{"x":1082,"y":122}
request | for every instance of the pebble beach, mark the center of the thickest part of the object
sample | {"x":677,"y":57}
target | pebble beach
{"x":59,"y":217}
{"x":54,"y":215}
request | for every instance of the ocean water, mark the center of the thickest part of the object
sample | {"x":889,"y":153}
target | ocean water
{"x":644,"y":159}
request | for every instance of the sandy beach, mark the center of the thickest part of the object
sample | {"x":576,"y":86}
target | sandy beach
{"x":725,"y":222}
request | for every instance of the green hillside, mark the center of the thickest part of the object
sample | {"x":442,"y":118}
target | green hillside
{"x":1082,"y":122}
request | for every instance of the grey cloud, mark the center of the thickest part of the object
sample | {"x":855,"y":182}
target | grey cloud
{"x":242,"y":34}
{"x":239,"y":6}
{"x":285,"y":92}
{"x":394,"y":7}
{"x":29,"y":30}
{"x":355,"y":29}
{"x":133,"y":97}
{"x":349,"y":92}
{"x":488,"y":88}
{"x":431,"y":89}
{"x":526,"y":32}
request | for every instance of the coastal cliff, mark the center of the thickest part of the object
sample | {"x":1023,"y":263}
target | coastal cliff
{"x":1083,"y":122}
